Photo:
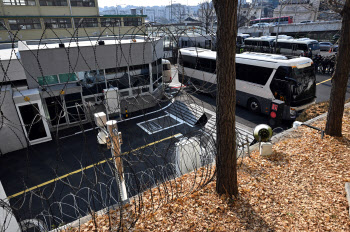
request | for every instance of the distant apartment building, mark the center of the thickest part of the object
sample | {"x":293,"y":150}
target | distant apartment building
{"x":151,"y":14}
{"x":34,"y":19}
{"x":176,"y":13}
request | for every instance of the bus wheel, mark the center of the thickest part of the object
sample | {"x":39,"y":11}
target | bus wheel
{"x":253,"y":105}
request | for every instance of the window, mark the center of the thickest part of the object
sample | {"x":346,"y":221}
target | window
{"x":301,"y":47}
{"x":316,"y":46}
{"x":93,"y":82}
{"x":251,"y":42}
{"x":284,"y":45}
{"x":166,"y":67}
{"x":53,"y":3}
{"x":2,"y":25}
{"x":48,"y":80}
{"x":84,"y":3}
{"x":58,"y":23}
{"x":85,"y":22}
{"x":67,"y":77}
{"x":19,"y":2}
{"x":265,"y":43}
{"x":56,"y":79}
{"x":206,"y":65}
{"x":110,"y":22}
{"x":139,"y":75}
{"x":254,"y":74}
{"x":132,"y":22}
{"x":110,"y":71}
{"x":189,"y":61}
{"x":24,"y":24}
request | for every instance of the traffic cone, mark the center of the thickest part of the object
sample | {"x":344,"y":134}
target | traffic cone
{"x":330,"y":50}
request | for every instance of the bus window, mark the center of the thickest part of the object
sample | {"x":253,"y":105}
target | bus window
{"x":166,"y":67}
{"x":314,"y":46}
{"x":265,"y":43}
{"x":301,"y":47}
{"x":254,"y":74}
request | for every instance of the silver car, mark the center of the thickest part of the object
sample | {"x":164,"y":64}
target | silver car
{"x":326,"y":46}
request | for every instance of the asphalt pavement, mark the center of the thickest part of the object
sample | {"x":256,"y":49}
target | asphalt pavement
{"x":66,"y":176}
{"x":62,"y":180}
{"x":244,"y":116}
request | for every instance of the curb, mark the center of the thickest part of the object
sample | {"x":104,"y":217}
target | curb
{"x":283,"y":135}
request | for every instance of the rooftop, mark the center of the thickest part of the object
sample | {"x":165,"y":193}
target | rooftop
{"x":23,"y":45}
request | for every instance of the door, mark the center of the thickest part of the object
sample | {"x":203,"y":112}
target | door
{"x":65,"y":109}
{"x":33,"y":122}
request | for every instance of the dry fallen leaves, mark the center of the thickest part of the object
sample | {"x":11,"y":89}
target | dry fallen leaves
{"x":299,"y":188}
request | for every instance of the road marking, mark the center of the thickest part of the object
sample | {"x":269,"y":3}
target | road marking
{"x":324,"y":81}
{"x":90,"y":166}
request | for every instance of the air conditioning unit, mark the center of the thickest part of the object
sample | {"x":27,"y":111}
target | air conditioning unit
{"x":100,"y":119}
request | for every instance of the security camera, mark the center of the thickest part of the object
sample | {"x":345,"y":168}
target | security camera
{"x":262,"y":133}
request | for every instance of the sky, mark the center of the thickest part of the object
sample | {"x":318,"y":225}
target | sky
{"x":102,"y":3}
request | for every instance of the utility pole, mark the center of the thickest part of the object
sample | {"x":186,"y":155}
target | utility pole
{"x":260,"y":10}
{"x":114,"y":142}
{"x":278,"y":28}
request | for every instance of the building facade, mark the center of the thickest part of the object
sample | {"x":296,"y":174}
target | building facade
{"x":42,"y":91}
{"x":301,"y":10}
{"x":35,"y":19}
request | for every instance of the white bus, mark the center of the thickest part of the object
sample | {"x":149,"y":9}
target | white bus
{"x":298,"y":46}
{"x":240,"y":38}
{"x":166,"y":71}
{"x":263,"y":41}
{"x":260,"y":78}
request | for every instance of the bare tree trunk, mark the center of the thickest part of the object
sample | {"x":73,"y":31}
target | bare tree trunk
{"x":340,"y":78}
{"x":226,"y":162}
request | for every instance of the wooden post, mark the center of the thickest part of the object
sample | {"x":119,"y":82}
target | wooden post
{"x":115,"y":142}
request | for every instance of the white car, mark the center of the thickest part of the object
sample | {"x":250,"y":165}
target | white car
{"x":261,"y":25}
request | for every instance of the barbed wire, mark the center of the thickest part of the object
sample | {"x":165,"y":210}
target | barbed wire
{"x":81,"y":167}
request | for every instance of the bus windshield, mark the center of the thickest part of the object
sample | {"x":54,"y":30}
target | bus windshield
{"x":295,"y":86}
{"x":304,"y":88}
{"x":166,"y":67}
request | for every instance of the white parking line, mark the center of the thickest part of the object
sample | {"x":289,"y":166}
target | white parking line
{"x":156,"y":127}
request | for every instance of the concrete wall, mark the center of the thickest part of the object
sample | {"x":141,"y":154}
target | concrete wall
{"x":13,"y":70}
{"x":85,"y":58}
{"x":6,"y":215}
{"x":11,"y":132}
{"x":294,"y":28}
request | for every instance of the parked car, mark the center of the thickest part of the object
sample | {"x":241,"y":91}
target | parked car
{"x":261,"y":25}
{"x":326,"y":46}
